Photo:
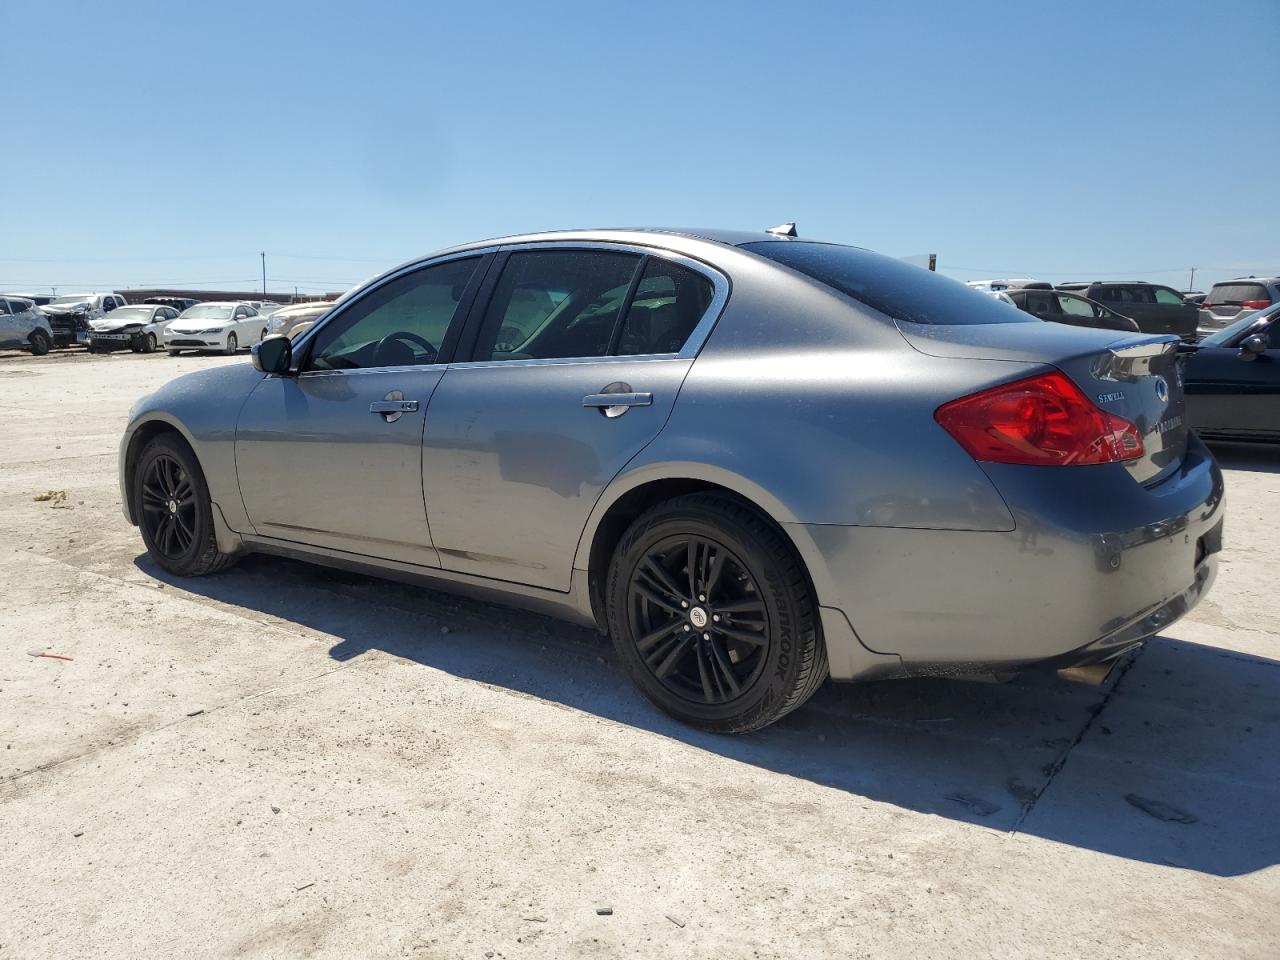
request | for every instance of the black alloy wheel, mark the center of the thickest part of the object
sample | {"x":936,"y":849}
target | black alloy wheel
{"x":169,"y":507}
{"x":698,"y":619}
{"x":712,"y":614}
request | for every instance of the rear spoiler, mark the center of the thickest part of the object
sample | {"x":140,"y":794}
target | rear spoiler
{"x":1133,"y":356}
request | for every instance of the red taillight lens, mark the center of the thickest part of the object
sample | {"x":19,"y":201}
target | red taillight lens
{"x":1043,"y":420}
{"x":1254,"y":304}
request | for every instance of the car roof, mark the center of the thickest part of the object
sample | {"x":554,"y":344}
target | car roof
{"x":1223,"y":283}
{"x":730,"y":238}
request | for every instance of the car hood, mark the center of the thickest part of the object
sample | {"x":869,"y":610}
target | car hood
{"x":60,"y":308}
{"x":106,"y":323}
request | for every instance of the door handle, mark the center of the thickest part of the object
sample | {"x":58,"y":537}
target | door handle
{"x":618,"y":400}
{"x":393,"y":406}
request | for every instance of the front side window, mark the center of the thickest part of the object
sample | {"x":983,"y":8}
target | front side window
{"x":1075,"y":307}
{"x":1165,"y":295}
{"x":668,"y":303}
{"x":1042,"y":305}
{"x":401,"y":323}
{"x":553,"y":304}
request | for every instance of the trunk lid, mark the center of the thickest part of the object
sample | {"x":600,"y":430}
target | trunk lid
{"x":1135,"y":376}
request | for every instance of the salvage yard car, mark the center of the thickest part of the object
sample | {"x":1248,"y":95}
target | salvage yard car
{"x":286,"y":320}
{"x":1233,"y":380}
{"x":24,"y":326}
{"x":1227,"y":302}
{"x":70,"y":315}
{"x":1062,"y":307}
{"x":756,"y":461}
{"x":1153,"y":307}
{"x":138,"y":328}
{"x":223,"y":327}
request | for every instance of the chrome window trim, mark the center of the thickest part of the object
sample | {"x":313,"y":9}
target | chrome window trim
{"x":692,"y":346}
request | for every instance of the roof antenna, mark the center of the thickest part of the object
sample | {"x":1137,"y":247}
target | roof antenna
{"x":783,"y":230}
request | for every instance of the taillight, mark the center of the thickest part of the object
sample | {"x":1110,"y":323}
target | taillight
{"x":1254,"y":304}
{"x":1045,"y":420}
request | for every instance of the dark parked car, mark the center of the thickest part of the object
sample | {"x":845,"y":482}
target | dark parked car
{"x":1062,"y":307}
{"x":1230,"y":300}
{"x":1154,"y":308}
{"x":1233,"y":380}
{"x":178,"y":303}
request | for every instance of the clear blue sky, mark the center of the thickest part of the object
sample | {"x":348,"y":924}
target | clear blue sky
{"x":170,"y":142}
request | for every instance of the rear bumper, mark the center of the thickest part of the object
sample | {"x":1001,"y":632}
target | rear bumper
{"x":1095,"y":564}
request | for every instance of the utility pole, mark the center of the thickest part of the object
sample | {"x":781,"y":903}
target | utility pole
{"x":1192,"y":285}
{"x":264,"y":274}
{"x":933,"y":261}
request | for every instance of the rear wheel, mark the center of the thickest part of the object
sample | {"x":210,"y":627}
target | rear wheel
{"x":232,"y":345}
{"x":171,"y":503}
{"x":711,"y":611}
{"x":40,"y":342}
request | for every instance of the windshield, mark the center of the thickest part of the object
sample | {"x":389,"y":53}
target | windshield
{"x":131,"y":313}
{"x":208,"y":311}
{"x":1228,"y":333}
{"x":74,"y":298}
{"x":895,"y":288}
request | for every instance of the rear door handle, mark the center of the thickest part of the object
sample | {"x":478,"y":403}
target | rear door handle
{"x":618,"y":400}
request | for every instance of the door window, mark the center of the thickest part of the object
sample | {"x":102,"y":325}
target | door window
{"x":668,"y":303}
{"x":1165,"y":295}
{"x":1075,"y":307}
{"x":401,"y":323}
{"x":1042,"y":305}
{"x":4,"y":309}
{"x":552,"y":304}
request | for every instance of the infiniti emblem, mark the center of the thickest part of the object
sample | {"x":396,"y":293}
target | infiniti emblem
{"x":698,"y":617}
{"x":1162,"y":390}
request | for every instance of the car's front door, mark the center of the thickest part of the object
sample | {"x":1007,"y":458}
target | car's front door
{"x":1228,"y":395}
{"x":331,"y":455}
{"x":522,"y":439}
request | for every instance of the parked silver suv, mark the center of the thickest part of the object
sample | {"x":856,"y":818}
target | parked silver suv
{"x":1226,"y":302}
{"x":22,"y":325}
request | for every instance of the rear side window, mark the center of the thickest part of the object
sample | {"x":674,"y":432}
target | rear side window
{"x":1236,"y":293}
{"x":668,"y":303}
{"x":1165,"y":295}
{"x":896,"y":289}
{"x":1041,"y":304}
{"x":556,"y":304}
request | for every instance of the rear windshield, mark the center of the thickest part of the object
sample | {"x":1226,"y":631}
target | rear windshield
{"x":893,"y":287}
{"x":1236,"y":293}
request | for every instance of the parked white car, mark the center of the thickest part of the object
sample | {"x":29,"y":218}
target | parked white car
{"x":24,"y":326}
{"x":139,"y":327}
{"x":222,"y":326}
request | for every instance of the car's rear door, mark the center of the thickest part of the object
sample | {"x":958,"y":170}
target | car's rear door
{"x":1178,"y":316}
{"x":522,"y":438}
{"x":331,"y":455}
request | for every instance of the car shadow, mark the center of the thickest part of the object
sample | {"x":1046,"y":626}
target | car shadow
{"x":1254,"y":457}
{"x":1177,"y":762}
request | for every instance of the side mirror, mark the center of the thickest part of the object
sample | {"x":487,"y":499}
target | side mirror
{"x":273,"y":355}
{"x":1253,"y":347}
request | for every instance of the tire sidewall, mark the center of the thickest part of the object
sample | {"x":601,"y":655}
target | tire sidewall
{"x":768,"y":691}
{"x":233,"y":344}
{"x":40,"y":343}
{"x":172,"y":447}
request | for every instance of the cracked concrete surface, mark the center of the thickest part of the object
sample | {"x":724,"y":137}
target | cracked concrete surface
{"x":288,"y":761}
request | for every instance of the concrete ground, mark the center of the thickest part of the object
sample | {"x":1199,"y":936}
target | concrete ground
{"x":288,"y":761}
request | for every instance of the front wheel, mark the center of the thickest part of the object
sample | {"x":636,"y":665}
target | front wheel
{"x":711,"y":611}
{"x":149,"y":344}
{"x":40,"y":343}
{"x":172,"y":506}
{"x":232,"y":345}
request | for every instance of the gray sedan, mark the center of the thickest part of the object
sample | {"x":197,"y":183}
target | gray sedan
{"x":756,"y":461}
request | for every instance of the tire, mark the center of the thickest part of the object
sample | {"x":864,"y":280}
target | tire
{"x":149,"y":343}
{"x":90,"y":348}
{"x":263,"y":335}
{"x":135,"y":348}
{"x":232,"y":344}
{"x":172,"y":506}
{"x":40,"y":343}
{"x":741,"y":669}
